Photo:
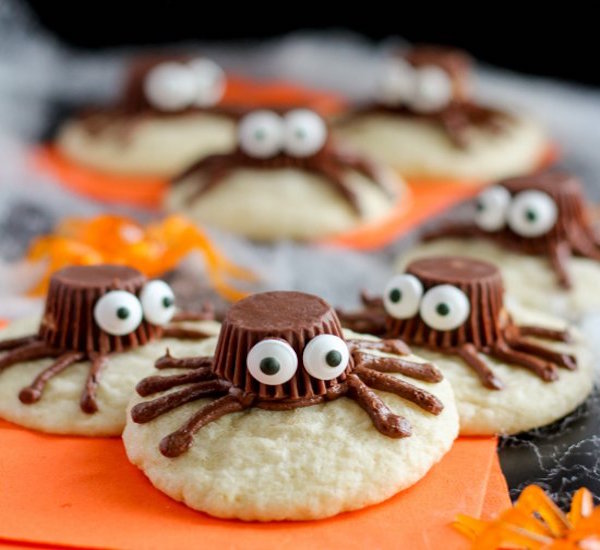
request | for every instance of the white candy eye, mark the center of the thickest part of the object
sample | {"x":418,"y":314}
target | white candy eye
{"x":118,"y":312}
{"x":261,"y":134}
{"x":532,"y":213}
{"x":305,"y":133}
{"x":397,"y":83}
{"x":170,"y":86}
{"x":402,"y":296}
{"x":210,"y":82}
{"x":158,"y":302}
{"x":326,"y":357}
{"x":272,"y":362}
{"x":492,"y":208}
{"x":444,"y":307}
{"x":433,"y":90}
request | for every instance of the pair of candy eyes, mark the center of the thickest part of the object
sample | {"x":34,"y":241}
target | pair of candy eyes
{"x":529,"y":213}
{"x":442,"y":307}
{"x":299,"y":133}
{"x":424,"y":89}
{"x":119,"y":312}
{"x":173,"y":86}
{"x":274,"y":362}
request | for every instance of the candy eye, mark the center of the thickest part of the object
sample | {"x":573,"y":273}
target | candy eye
{"x":118,"y":313}
{"x":210,"y":82}
{"x":397,"y":83}
{"x":261,"y":134}
{"x":170,"y":86}
{"x":532,"y":213}
{"x":433,"y":90}
{"x":305,"y":133}
{"x":445,"y":307}
{"x":158,"y":302}
{"x":326,"y":357}
{"x":491,"y":208}
{"x":402,"y":296}
{"x":272,"y":362}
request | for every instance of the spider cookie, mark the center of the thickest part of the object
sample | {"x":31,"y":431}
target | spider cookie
{"x":102,"y":328}
{"x":285,"y":416}
{"x":509,"y":374}
{"x":425,"y":122}
{"x":286,"y":179}
{"x":170,"y":114}
{"x":537,"y":230}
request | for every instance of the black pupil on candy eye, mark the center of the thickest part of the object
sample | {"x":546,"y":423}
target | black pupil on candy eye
{"x":167,"y":301}
{"x":530,"y":215}
{"x":260,"y":134}
{"x":270,"y":366}
{"x":443,"y":309}
{"x":122,"y":313}
{"x":395,"y":295}
{"x":480,"y":206}
{"x":300,"y":133}
{"x":333,"y":358}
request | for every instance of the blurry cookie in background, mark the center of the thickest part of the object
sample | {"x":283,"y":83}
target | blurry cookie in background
{"x":539,"y":231}
{"x":425,"y":122}
{"x":286,"y":179}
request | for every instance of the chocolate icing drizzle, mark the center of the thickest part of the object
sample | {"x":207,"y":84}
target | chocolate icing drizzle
{"x":331,"y":162}
{"x":572,"y":234}
{"x":69,"y":334}
{"x":462,"y":113}
{"x":488,"y":330}
{"x":295,"y":318}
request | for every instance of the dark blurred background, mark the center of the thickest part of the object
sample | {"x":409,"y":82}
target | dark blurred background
{"x":558,"y":41}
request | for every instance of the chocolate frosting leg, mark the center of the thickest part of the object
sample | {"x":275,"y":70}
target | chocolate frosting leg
{"x":155,"y":384}
{"x":420,"y":371}
{"x":560,"y":254}
{"x":545,"y":370}
{"x":468,"y":353}
{"x":88,"y":403}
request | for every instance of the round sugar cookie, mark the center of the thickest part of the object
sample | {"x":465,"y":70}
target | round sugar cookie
{"x":58,"y":410}
{"x":160,"y":146}
{"x":306,"y":463}
{"x":421,"y":148}
{"x":286,"y":203}
{"x":528,"y":280}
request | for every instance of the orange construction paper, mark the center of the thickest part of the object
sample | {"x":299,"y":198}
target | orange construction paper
{"x":78,"y":492}
{"x":497,"y":498}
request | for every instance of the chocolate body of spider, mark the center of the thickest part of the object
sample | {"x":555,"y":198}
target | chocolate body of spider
{"x":91,"y":312}
{"x":280,"y":351}
{"x":454,"y":306}
{"x":569,"y":232}
{"x":330,"y":162}
{"x":459,"y":113}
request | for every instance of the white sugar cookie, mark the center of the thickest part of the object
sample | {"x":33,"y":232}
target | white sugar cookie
{"x":306,"y":463}
{"x":160,"y":146}
{"x":418,"y":148}
{"x":270,"y":204}
{"x":58,"y":409}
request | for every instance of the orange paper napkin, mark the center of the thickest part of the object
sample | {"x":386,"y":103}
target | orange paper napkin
{"x":78,"y":492}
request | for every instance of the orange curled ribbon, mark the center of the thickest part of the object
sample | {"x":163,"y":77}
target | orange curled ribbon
{"x":537,"y":523}
{"x":154,"y":249}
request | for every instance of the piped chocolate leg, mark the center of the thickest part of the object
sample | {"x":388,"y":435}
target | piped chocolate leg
{"x":545,"y":370}
{"x":451,"y":229}
{"x":88,"y":403}
{"x":33,"y":392}
{"x":149,"y":410}
{"x":559,"y":258}
{"x":561,"y":359}
{"x":386,"y":346}
{"x":7,"y":345}
{"x":207,"y":313}
{"x":468,"y":353}
{"x":367,"y":321}
{"x":180,"y":441}
{"x":155,"y":384}
{"x":167,"y":361}
{"x":387,"y":422}
{"x":585,"y":244}
{"x":545,"y":333}
{"x":183,"y":333}
{"x":383,"y":382}
{"x":29,"y":352}
{"x":335,"y":176}
{"x":421,"y":371}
